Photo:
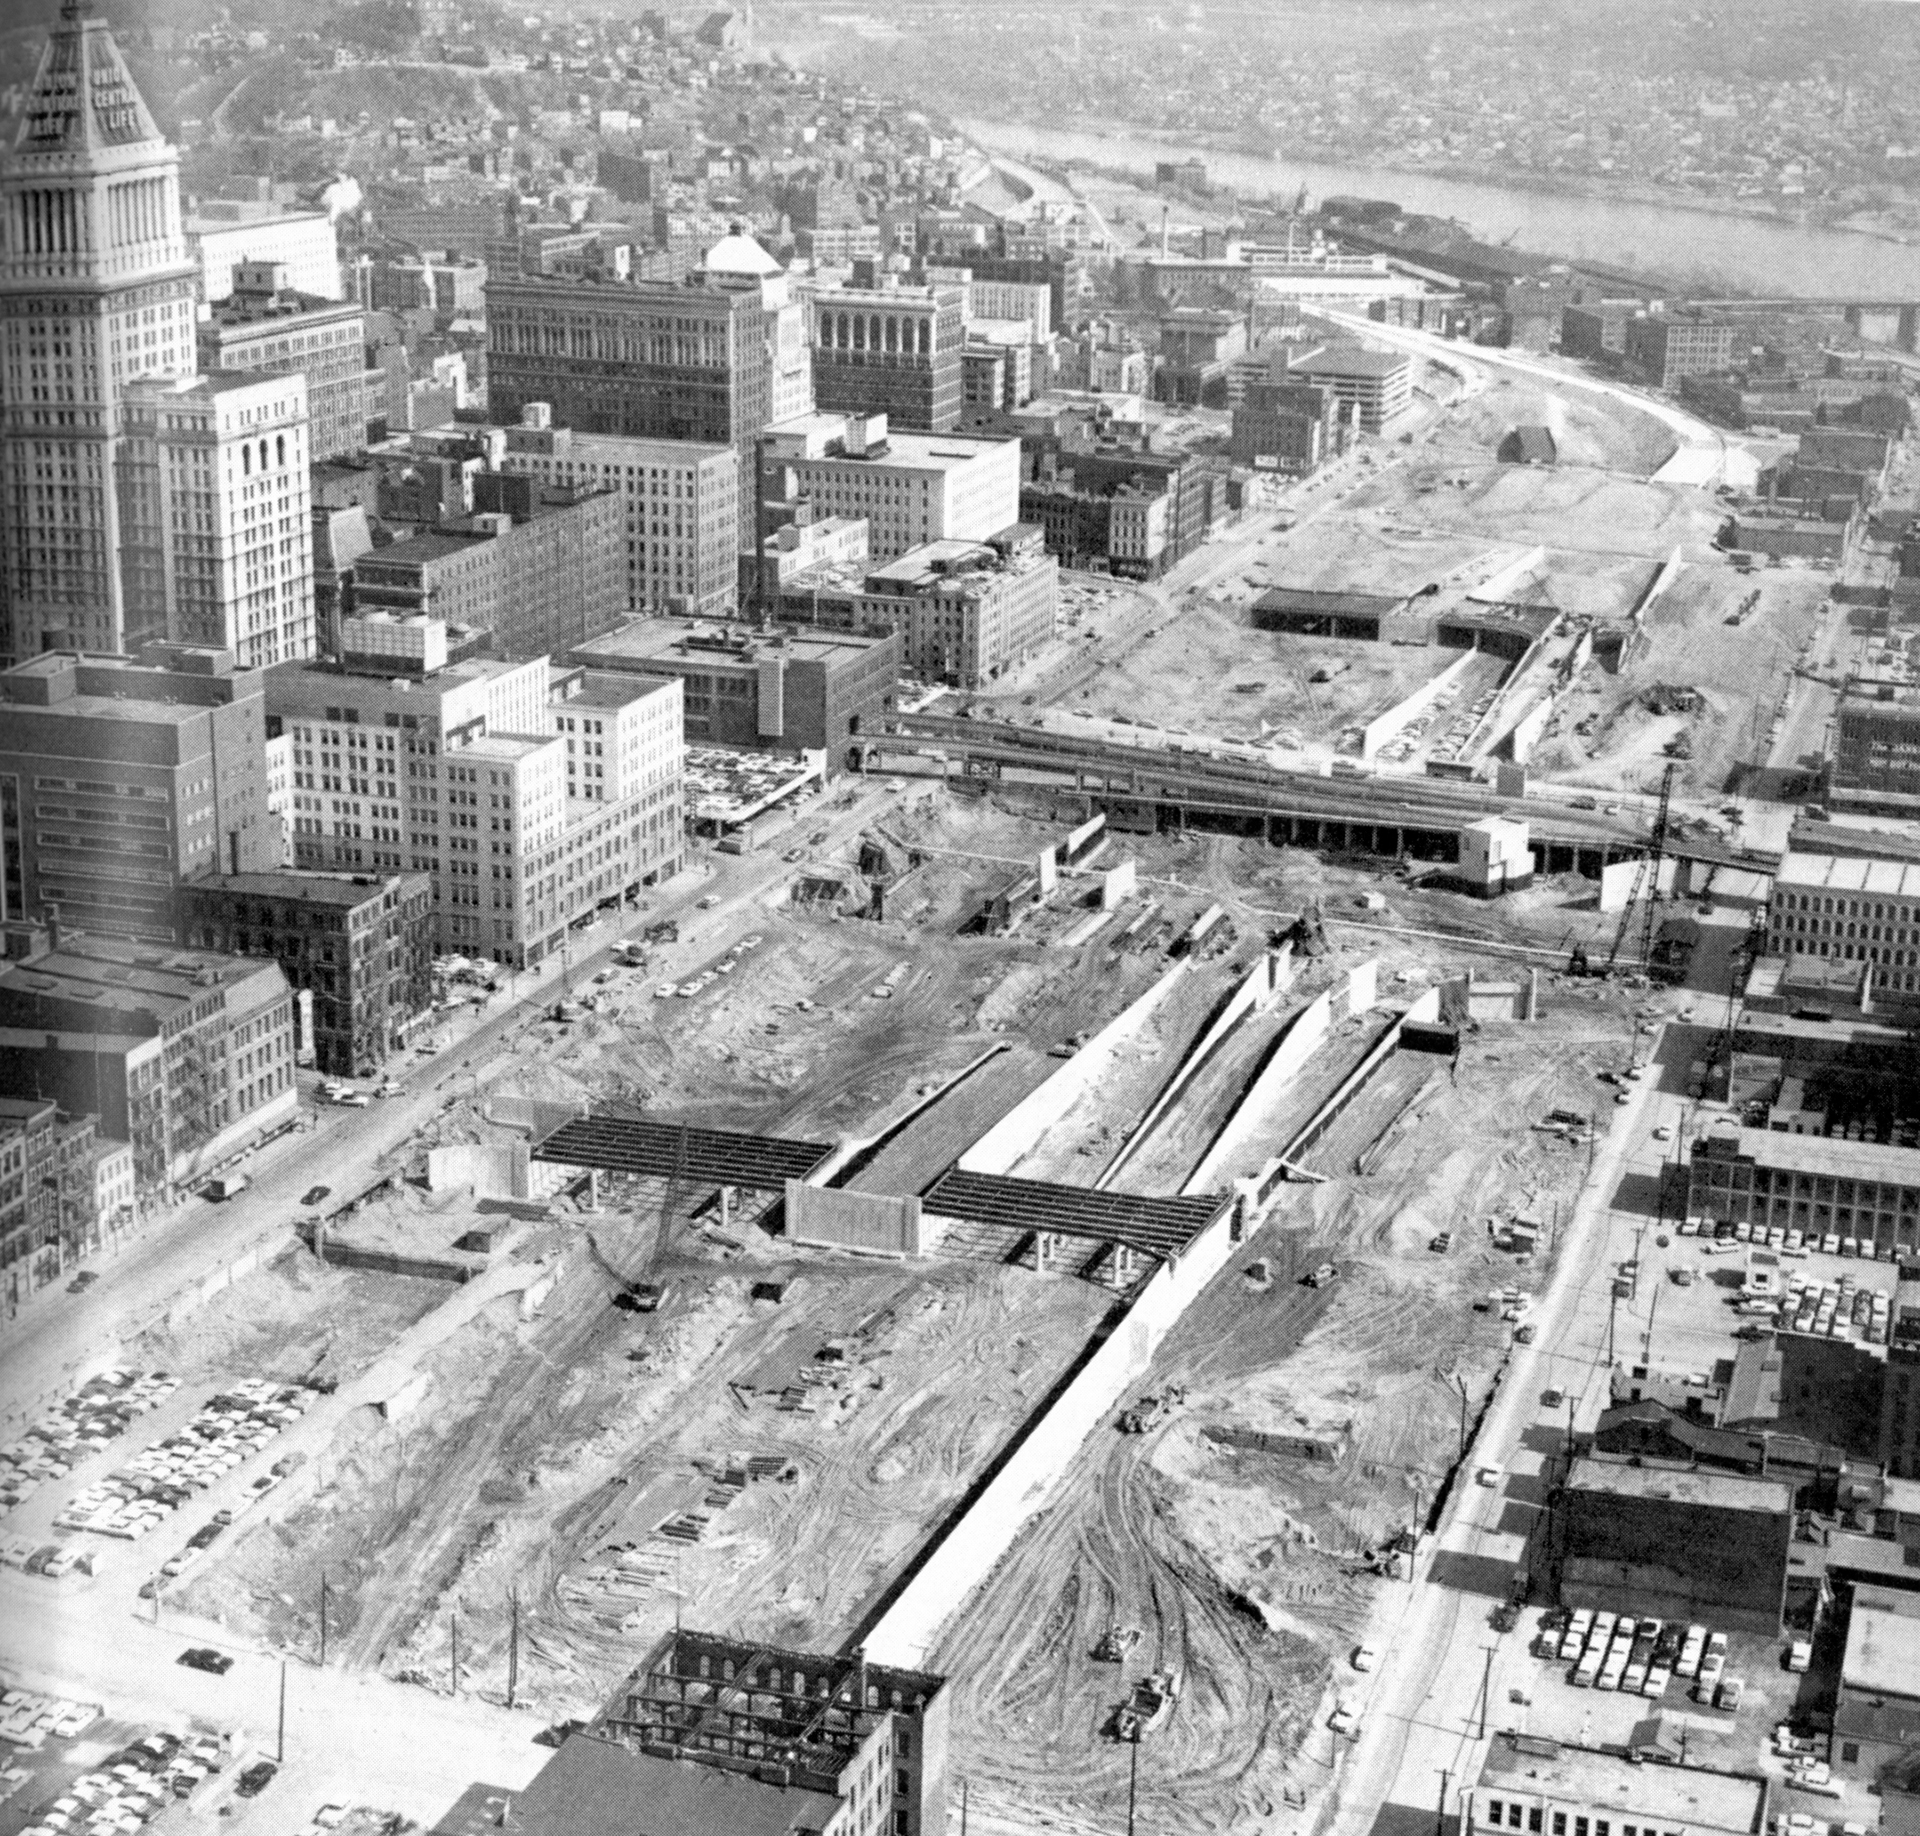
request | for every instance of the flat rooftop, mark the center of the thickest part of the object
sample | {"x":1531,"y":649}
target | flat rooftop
{"x":1725,"y":1491}
{"x":1585,"y":1776}
{"x":596,"y":1788}
{"x":1848,"y":873}
{"x":1821,"y":1154}
{"x":1350,"y":360}
{"x":609,"y":690}
{"x":1883,"y":1643}
{"x":343,"y":890}
{"x":680,"y":647}
{"x":131,"y":978}
{"x":803,"y":440}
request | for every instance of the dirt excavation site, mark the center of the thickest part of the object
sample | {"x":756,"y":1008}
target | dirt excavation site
{"x":773,"y":1451}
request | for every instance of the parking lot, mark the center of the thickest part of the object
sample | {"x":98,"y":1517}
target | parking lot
{"x":72,"y":1773}
{"x":127,"y":1493}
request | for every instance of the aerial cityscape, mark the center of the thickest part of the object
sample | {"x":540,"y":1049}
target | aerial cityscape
{"x":972,"y":920}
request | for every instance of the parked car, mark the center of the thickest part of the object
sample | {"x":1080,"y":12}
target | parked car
{"x":256,"y":1778}
{"x":314,"y":1194}
{"x":204,"y":1657}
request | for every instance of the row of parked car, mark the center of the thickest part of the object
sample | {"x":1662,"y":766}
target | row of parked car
{"x":29,"y":1719}
{"x":1791,"y":1242}
{"x":83,"y":1424}
{"x":132,"y":1786}
{"x":228,"y":1429}
{"x":707,"y":977}
{"x":1641,"y":1657}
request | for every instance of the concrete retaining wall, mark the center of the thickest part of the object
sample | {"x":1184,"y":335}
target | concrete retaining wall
{"x":1001,"y":1147}
{"x":1082,"y":839}
{"x":871,"y":1223}
{"x":1296,"y":1046}
{"x":908,"y":1632}
{"x":1378,"y":731}
{"x":1363,"y":986}
{"x":537,"y":1116}
{"x":1261,"y":984}
{"x":1528,"y":729}
{"x":501,"y":1171}
{"x":1117,"y":884}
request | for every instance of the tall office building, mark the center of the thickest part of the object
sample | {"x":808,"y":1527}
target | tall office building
{"x":120,"y":782}
{"x":216,"y":530}
{"x":638,"y":357}
{"x":714,"y":360}
{"x":530,"y":795}
{"x":267,"y":324}
{"x":96,"y":288}
{"x":892,"y":351}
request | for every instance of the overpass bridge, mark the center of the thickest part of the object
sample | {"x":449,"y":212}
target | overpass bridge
{"x":1146,"y":789}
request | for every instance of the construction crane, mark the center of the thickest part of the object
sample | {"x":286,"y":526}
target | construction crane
{"x":1655,"y":856}
{"x":1646,"y":881}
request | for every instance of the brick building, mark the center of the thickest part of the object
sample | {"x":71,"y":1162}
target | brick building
{"x":468,"y":772}
{"x":646,"y":358}
{"x":185,"y":1054}
{"x":1285,"y":426}
{"x":965,"y":611}
{"x":540,"y":566}
{"x":1861,"y":1190}
{"x":265,"y":324}
{"x":680,"y":498}
{"x":890,"y":351}
{"x":1663,"y":347}
{"x":910,"y":487}
{"x":121,"y":781}
{"x":50,"y":1203}
{"x":1676,"y":1545}
{"x":361,"y":946}
{"x":789,"y":690}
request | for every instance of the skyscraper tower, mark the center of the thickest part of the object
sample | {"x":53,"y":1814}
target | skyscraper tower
{"x":95,"y":289}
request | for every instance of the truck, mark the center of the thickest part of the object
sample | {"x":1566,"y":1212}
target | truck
{"x":226,"y":1185}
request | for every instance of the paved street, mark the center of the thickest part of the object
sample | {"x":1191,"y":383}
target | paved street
{"x":1442,"y":1686}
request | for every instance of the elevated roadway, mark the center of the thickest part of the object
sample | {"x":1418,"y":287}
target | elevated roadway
{"x":1147,"y":788}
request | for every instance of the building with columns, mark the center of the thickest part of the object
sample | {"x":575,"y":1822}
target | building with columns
{"x":96,"y":288}
{"x":890,"y":350}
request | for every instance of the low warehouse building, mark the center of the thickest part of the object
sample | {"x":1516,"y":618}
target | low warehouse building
{"x":1876,"y":1721}
{"x":1676,"y":1545}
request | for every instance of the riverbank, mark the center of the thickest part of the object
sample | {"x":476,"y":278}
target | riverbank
{"x":1723,"y":245}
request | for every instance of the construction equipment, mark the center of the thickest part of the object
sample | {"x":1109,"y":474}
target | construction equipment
{"x":1149,"y":1409}
{"x":1308,"y":932}
{"x":1646,"y":881}
{"x":1115,"y":1642}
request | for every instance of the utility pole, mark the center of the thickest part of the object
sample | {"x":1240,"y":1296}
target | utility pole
{"x":1461,"y":1383}
{"x":323,"y":1618}
{"x":513,"y":1648}
{"x":1486,"y":1692}
{"x":1440,"y":1818}
{"x":453,"y":1653}
{"x":1613,"y":1307}
{"x":280,"y":1741}
{"x":1133,"y":1780}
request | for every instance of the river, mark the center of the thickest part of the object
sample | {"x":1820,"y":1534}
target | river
{"x":1705,"y":248}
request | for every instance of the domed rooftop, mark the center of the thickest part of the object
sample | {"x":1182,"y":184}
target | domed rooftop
{"x":738,"y":253}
